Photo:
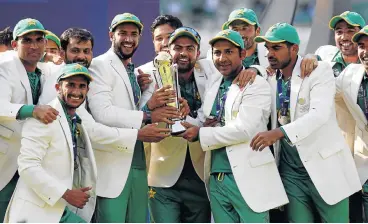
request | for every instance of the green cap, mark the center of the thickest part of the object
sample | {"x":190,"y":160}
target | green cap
{"x":243,"y":14}
{"x":352,"y":18}
{"x":185,"y":31}
{"x":51,"y":36}
{"x":126,"y":18}
{"x":278,"y":33}
{"x":229,"y":35}
{"x":74,"y":69}
{"x":362,"y":32}
{"x":26,"y":26}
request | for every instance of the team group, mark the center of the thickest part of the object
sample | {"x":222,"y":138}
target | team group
{"x":86,"y":139}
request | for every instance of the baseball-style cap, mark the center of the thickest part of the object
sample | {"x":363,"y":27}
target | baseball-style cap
{"x":51,"y":36}
{"x":27,"y":26}
{"x":243,"y":14}
{"x":362,"y":32}
{"x":278,"y":33}
{"x":187,"y":32}
{"x":126,"y":18}
{"x":352,"y":18}
{"x":229,"y":35}
{"x":74,"y":69}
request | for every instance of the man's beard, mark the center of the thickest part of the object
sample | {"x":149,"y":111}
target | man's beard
{"x":120,"y":53}
{"x":83,"y":62}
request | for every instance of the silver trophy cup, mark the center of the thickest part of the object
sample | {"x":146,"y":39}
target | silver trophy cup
{"x":167,"y":74}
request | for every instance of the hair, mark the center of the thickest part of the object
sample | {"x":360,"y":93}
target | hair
{"x":82,"y":35}
{"x":6,"y":36}
{"x":172,"y":21}
{"x":288,"y":44}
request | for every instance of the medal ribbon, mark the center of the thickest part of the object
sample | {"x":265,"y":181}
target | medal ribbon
{"x":284,"y":97}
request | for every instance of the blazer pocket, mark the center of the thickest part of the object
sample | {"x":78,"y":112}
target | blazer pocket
{"x":34,"y":200}
{"x":5,"y":132}
{"x":3,"y":147}
{"x":325,"y":153}
{"x":261,"y":160}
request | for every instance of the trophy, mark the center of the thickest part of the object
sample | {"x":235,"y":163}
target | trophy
{"x":167,"y":74}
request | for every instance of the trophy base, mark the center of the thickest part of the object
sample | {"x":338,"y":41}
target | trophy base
{"x":177,"y":128}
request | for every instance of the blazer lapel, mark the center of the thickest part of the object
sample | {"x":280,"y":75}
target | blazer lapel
{"x":273,"y":83}
{"x":354,"y":89}
{"x":65,"y":127}
{"x":296,"y":82}
{"x":210,"y":97}
{"x":231,"y":100}
{"x":24,"y":79}
{"x":118,"y":66}
{"x":200,"y":79}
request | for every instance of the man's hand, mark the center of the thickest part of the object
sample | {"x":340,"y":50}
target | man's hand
{"x":45,"y":113}
{"x":245,"y":76}
{"x":308,"y":64}
{"x":151,"y":133}
{"x":164,"y":114}
{"x":184,"y":107}
{"x":192,"y":132}
{"x":161,"y":97}
{"x":77,"y":197}
{"x":56,"y":59}
{"x":270,"y":71}
{"x":210,"y":122}
{"x":143,"y":80}
{"x":266,"y":138}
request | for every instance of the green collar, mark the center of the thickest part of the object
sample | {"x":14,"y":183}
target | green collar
{"x":68,"y":117}
{"x":37,"y":72}
{"x":338,"y":58}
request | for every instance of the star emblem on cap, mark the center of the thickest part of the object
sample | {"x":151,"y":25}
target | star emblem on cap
{"x":128,"y":15}
{"x":78,"y":67}
{"x":225,"y":33}
{"x":240,"y":12}
{"x":345,"y":13}
{"x":31,"y":22}
{"x":272,"y":28}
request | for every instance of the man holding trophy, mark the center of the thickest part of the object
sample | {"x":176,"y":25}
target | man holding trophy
{"x":175,"y":175}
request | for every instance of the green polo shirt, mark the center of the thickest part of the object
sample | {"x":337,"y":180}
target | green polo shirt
{"x":189,"y":91}
{"x":34,"y":78}
{"x":340,"y":64}
{"x":251,"y":60}
{"x":360,"y":99}
{"x":290,"y":163}
{"x":219,"y":159}
{"x":139,"y":161}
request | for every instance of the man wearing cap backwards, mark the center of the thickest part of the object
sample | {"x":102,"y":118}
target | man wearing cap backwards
{"x":57,"y":166}
{"x":20,"y":89}
{"x":351,"y":87}
{"x":114,"y":101}
{"x":315,"y":163}
{"x":175,"y":175}
{"x":235,"y":175}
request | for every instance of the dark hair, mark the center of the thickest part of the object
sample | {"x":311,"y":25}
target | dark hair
{"x":288,"y":44}
{"x":172,"y":21}
{"x":82,"y":35}
{"x":6,"y":36}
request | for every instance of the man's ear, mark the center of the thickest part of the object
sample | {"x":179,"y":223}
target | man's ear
{"x":258,"y":31}
{"x":14,"y":44}
{"x":111,"y":36}
{"x":57,"y":87}
{"x":63,"y":54}
{"x":243,"y":54}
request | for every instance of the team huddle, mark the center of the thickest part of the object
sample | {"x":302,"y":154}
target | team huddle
{"x":86,"y":139}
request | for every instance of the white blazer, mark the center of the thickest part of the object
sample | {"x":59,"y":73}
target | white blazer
{"x":166,"y":158}
{"x":15,"y":93}
{"x":316,"y":135}
{"x":111,"y":102}
{"x":347,"y":87}
{"x":247,"y":112}
{"x":344,"y":118}
{"x":46,"y":169}
{"x":101,"y":136}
